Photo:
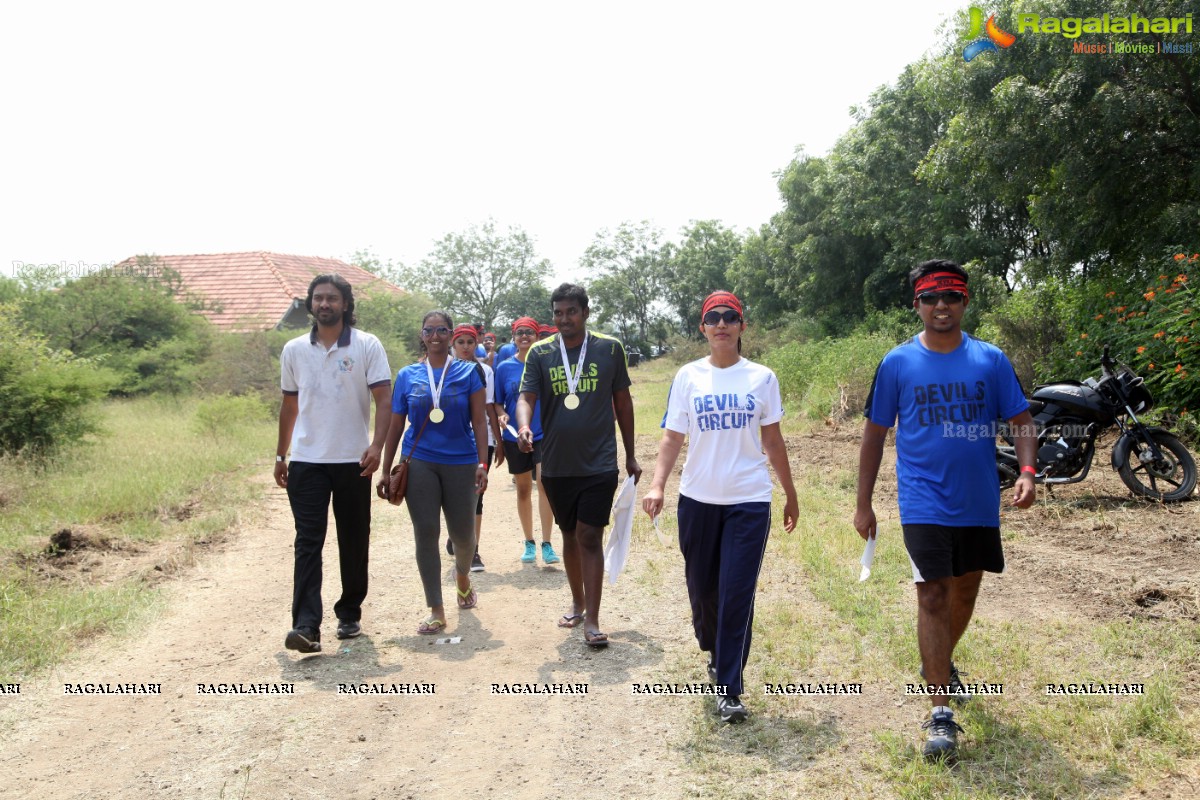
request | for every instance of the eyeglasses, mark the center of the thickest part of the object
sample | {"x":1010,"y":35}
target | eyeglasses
{"x":931,"y":298}
{"x":730,"y":317}
{"x":524,"y":332}
{"x":440,"y":330}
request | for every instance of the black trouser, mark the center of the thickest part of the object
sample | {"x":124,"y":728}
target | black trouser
{"x":310,"y":487}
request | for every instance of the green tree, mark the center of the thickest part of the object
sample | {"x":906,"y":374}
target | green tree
{"x":480,"y":274}
{"x":627,"y":268}
{"x":131,"y":322}
{"x":698,"y":266}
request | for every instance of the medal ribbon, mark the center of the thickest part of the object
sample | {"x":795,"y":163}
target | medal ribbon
{"x":436,"y":391}
{"x":572,"y":382}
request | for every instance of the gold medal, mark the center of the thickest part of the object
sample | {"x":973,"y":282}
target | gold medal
{"x":436,"y":415}
{"x":571,"y":401}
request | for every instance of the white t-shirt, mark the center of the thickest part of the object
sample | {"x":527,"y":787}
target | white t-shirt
{"x":489,"y":391}
{"x":333,"y":389}
{"x":721,"y":411}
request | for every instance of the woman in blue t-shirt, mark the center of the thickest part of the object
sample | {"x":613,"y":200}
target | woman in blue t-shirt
{"x":447,"y":442}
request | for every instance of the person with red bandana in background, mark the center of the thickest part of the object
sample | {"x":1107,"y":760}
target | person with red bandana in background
{"x":524,"y":467}
{"x":936,"y":389}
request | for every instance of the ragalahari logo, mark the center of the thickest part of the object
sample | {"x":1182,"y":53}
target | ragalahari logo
{"x":988,"y":43}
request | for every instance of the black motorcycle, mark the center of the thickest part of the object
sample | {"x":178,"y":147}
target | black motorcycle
{"x":1069,"y":415}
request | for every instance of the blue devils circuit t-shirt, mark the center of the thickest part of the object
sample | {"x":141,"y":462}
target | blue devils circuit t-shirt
{"x":508,"y":391}
{"x":944,"y":407}
{"x":451,"y":441}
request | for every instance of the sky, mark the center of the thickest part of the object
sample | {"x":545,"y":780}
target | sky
{"x":322,"y":129}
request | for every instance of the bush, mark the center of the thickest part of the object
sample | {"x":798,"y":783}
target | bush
{"x":45,"y":392}
{"x":1153,"y":329}
{"x":131,"y":320}
{"x":829,"y":378}
{"x":226,"y":414}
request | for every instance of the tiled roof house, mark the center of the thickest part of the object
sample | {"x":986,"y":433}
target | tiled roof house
{"x":259,"y":290}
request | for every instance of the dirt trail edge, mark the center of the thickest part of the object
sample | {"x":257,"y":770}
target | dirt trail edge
{"x":225,"y":622}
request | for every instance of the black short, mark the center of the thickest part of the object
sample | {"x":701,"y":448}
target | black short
{"x":586,"y":498}
{"x":942,"y":551}
{"x":519,"y":462}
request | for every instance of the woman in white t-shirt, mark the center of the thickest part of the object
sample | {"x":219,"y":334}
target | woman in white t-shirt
{"x":729,"y":408}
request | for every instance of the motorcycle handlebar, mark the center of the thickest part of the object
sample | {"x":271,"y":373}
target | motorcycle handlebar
{"x":1106,"y":363}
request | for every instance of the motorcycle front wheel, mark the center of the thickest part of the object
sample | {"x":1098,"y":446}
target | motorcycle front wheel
{"x":1170,"y":480}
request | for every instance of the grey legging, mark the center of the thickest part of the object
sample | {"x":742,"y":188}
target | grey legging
{"x":448,"y":489}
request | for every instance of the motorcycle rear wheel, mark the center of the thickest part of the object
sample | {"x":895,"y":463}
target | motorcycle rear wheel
{"x":1171,"y":480}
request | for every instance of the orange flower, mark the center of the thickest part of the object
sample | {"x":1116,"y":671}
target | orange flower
{"x":1078,"y":352}
{"x":1151,"y":365}
{"x":1169,"y":291}
{"x":1179,"y":367}
{"x":1110,"y":294}
{"x":1141,"y":313}
{"x":1083,"y":336}
{"x":1141,"y":349}
{"x":1099,"y":316}
{"x":1120,"y":308}
{"x":1162,"y":277}
{"x":1180,"y":256}
{"x":1181,"y":278}
{"x":1149,"y":295}
{"x":1160,"y":334}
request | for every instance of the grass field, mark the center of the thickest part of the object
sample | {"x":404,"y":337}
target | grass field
{"x":154,"y":474}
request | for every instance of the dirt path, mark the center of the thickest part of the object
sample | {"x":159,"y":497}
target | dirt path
{"x":1087,"y":554}
{"x":224,"y":623}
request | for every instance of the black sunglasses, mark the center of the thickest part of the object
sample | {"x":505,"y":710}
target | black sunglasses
{"x":931,"y":298}
{"x":730,"y":316}
{"x":440,"y":330}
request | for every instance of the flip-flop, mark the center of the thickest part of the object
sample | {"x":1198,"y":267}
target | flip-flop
{"x":571,"y":620}
{"x":431,"y":626}
{"x":597,"y":640}
{"x":467,"y":599}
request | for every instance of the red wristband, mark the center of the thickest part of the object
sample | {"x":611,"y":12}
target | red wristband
{"x":1029,"y":469}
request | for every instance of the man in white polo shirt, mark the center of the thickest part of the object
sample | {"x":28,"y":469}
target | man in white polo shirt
{"x":329,"y":377}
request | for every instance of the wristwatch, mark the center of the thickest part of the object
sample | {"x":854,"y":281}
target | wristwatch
{"x":278,"y":459}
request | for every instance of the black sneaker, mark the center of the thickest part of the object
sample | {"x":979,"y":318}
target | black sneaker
{"x":476,"y":563}
{"x":348,"y":630}
{"x":941,"y":735}
{"x":958,"y":692}
{"x":303,"y":640}
{"x":731,"y":709}
{"x":449,"y":547}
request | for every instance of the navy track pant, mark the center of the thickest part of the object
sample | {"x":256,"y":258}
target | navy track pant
{"x":723,"y":550}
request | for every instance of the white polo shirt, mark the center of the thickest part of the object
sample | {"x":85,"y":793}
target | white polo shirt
{"x":333,"y":389}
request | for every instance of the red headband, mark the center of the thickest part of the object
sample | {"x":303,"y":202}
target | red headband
{"x":526,"y":322}
{"x":490,"y":335}
{"x":465,"y":330}
{"x":940,"y":282}
{"x":721,"y":298}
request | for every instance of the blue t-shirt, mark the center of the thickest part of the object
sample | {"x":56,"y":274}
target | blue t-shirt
{"x":508,"y":390}
{"x":506,"y":351}
{"x":451,"y":441}
{"x":947,"y":405}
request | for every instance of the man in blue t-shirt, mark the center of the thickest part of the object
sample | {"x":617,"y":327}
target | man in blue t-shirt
{"x":944,"y":390}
